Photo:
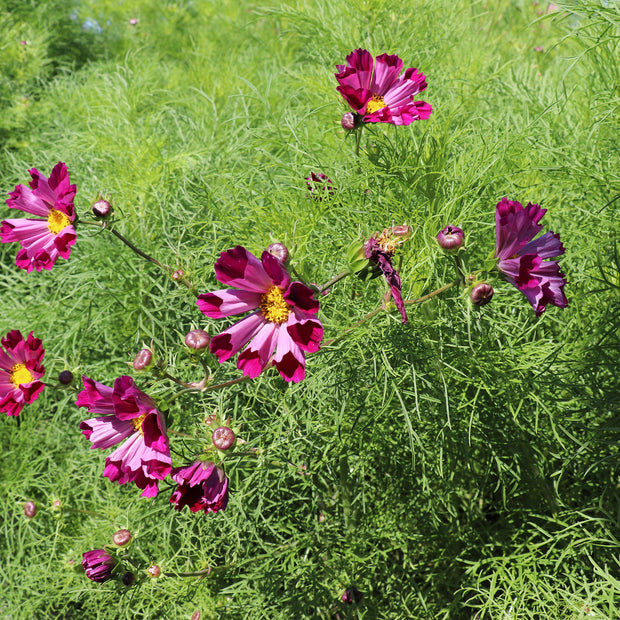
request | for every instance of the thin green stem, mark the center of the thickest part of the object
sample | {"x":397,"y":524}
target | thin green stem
{"x":358,"y":139}
{"x":438,"y":291}
{"x":377,"y":310}
{"x":139,"y":252}
{"x":333,"y":281}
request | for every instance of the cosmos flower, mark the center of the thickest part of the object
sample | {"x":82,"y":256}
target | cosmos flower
{"x":283,"y":318}
{"x":127,"y":413}
{"x":376,"y":91}
{"x":202,"y":486}
{"x":51,"y":234}
{"x":521,"y":258}
{"x":98,"y":565}
{"x":20,"y":371}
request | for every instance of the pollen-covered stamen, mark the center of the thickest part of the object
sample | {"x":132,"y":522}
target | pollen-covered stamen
{"x":376,"y":103}
{"x":56,"y":221}
{"x":137,"y":422}
{"x":20,"y":375}
{"x":273,"y":307}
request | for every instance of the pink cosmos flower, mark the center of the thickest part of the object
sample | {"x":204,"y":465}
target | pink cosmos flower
{"x":379,"y":93}
{"x":20,"y":371}
{"x":127,"y":413}
{"x":98,"y":565}
{"x":521,"y":257}
{"x":283,"y":320}
{"x":43,"y":240}
{"x":202,"y":486}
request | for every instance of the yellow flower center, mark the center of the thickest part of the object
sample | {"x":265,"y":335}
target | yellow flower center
{"x":56,"y":221}
{"x":20,"y":374}
{"x":376,"y":103}
{"x":273,"y":306}
{"x":137,"y":423}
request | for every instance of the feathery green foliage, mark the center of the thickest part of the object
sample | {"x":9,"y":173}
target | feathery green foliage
{"x":464,"y":465}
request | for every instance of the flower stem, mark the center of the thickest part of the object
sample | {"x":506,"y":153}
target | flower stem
{"x":139,"y":252}
{"x":420,"y":300}
{"x":333,"y":281}
{"x":438,"y":291}
{"x":358,"y":139}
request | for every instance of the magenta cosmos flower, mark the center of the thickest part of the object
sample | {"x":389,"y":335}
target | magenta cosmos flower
{"x":127,"y":413}
{"x":376,"y":91}
{"x":283,"y":320}
{"x":51,"y":235}
{"x":202,"y":486}
{"x":522,"y":258}
{"x":98,"y":565}
{"x":20,"y":371}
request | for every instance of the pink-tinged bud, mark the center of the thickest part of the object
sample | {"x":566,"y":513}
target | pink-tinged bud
{"x":133,"y":21}
{"x":402,"y":232}
{"x":153,"y":571}
{"x":279,"y":250}
{"x":143,"y":360}
{"x":56,"y":504}
{"x":481,"y":294}
{"x":128,"y":578}
{"x":450,"y":238}
{"x":348,"y":121}
{"x":197,"y":339}
{"x":351,"y":595}
{"x":30,"y":509}
{"x":121,"y":538}
{"x":179,"y":274}
{"x":224,"y":438}
{"x":102,"y":208}
{"x":65,"y":377}
{"x":196,"y":615}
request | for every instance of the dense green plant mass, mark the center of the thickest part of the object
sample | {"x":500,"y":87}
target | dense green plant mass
{"x":464,"y":465}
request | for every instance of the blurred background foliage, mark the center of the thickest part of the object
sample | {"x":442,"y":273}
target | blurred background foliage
{"x":462,"y":466}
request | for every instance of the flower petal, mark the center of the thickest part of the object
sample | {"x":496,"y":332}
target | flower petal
{"x":228,"y":302}
{"x":241,"y":269}
{"x":231,"y":340}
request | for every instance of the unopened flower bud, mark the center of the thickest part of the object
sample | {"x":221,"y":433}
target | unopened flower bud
{"x":65,"y":377}
{"x":143,"y":360}
{"x":451,"y":238}
{"x":224,"y":438}
{"x":348,"y":121}
{"x":481,"y":294}
{"x":196,"y":615}
{"x":30,"y":509}
{"x":102,"y":208}
{"x":56,"y":504}
{"x":121,"y":538}
{"x":179,"y":274}
{"x":197,"y":339}
{"x":279,"y":250}
{"x":153,"y":570}
{"x":128,"y":578}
